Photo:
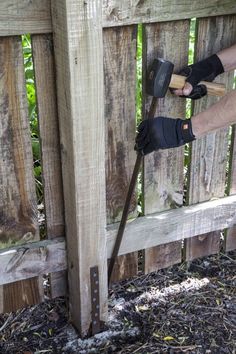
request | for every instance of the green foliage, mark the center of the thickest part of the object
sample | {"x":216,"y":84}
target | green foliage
{"x":139,"y":76}
{"x":31,"y":96}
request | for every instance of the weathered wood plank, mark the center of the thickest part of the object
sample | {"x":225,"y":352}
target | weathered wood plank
{"x":174,"y":225}
{"x":209,"y":154}
{"x":45,"y":82}
{"x":164,"y":170}
{"x":78,"y":46}
{"x":18,"y":205}
{"x":120,"y":88}
{"x":32,"y":259}
{"x":120,"y":13}
{"x":28,"y":288}
{"x":24,"y":16}
{"x":141,"y":233}
{"x":230,"y":243}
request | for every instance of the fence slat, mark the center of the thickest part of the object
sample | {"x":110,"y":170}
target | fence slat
{"x":18,"y":206}
{"x":120,"y":85}
{"x":24,"y":16}
{"x":209,"y":154}
{"x":42,"y":47}
{"x":163,"y":170}
{"x":230,"y":243}
{"x":176,"y":224}
{"x":78,"y":49}
{"x":125,"y":12}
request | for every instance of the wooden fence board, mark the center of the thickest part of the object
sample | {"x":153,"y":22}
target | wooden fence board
{"x":78,"y":49}
{"x":164,"y":170}
{"x":120,"y":87}
{"x":24,"y":16}
{"x":45,"y":82}
{"x":18,"y":206}
{"x":209,"y":154}
{"x":230,"y":243}
{"x":124,"y":12}
{"x":174,"y":225}
{"x":27,"y":261}
{"x":141,"y":233}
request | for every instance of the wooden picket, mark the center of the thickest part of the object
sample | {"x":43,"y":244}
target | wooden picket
{"x":18,"y":206}
{"x":45,"y":82}
{"x":120,"y":82}
{"x":164,"y":170}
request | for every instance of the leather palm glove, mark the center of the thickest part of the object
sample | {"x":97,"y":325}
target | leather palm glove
{"x":162,"y":133}
{"x":206,"y":69}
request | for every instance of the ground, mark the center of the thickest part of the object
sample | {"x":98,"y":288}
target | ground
{"x":190,"y":308}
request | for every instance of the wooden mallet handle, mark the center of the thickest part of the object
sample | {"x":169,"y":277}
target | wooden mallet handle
{"x":213,"y":89}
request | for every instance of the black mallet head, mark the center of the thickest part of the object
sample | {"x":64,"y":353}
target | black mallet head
{"x":158,"y":77}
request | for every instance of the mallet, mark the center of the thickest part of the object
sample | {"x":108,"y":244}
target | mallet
{"x":160,"y":77}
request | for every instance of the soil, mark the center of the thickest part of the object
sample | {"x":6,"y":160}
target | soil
{"x":190,"y":308}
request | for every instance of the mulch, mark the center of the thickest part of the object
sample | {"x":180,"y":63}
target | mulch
{"x":189,"y":308}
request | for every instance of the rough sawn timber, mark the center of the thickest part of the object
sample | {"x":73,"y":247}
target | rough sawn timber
{"x":78,"y":46}
{"x":32,"y":259}
{"x":45,"y":82}
{"x":24,"y":16}
{"x":144,"y":232}
{"x":18,"y":204}
{"x":174,"y":225}
{"x":164,"y":170}
{"x":120,"y":83}
{"x":124,"y":12}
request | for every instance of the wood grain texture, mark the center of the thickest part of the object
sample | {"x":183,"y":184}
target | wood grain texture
{"x":30,"y":260}
{"x":24,"y":16}
{"x":18,"y":205}
{"x":209,"y":154}
{"x":230,"y":243}
{"x":174,"y":225}
{"x":164,"y":170}
{"x":45,"y":82}
{"x":124,"y":12}
{"x":120,"y":88}
{"x":78,"y":46}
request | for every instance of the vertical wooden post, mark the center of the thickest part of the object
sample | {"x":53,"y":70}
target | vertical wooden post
{"x":164,"y":170}
{"x":209,"y":154}
{"x":77,"y":29}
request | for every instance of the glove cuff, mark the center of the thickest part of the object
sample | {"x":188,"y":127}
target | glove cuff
{"x":184,"y":131}
{"x":216,"y":63}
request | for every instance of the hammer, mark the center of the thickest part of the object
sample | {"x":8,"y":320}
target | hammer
{"x":160,"y":77}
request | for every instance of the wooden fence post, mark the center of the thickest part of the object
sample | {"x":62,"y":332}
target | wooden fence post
{"x":77,"y":29}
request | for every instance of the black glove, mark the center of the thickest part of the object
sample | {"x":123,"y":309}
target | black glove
{"x":207,"y":70}
{"x":162,"y":133}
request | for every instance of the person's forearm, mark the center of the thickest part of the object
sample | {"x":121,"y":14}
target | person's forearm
{"x":219,"y":115}
{"x":228,"y":58}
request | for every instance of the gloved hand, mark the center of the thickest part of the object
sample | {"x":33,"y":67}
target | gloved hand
{"x":162,"y":133}
{"x":206,"y":69}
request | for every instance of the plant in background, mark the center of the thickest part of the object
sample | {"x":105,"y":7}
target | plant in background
{"x":31,"y":96}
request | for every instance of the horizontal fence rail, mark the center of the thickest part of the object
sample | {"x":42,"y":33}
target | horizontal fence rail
{"x":25,"y":16}
{"x":49,"y":256}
